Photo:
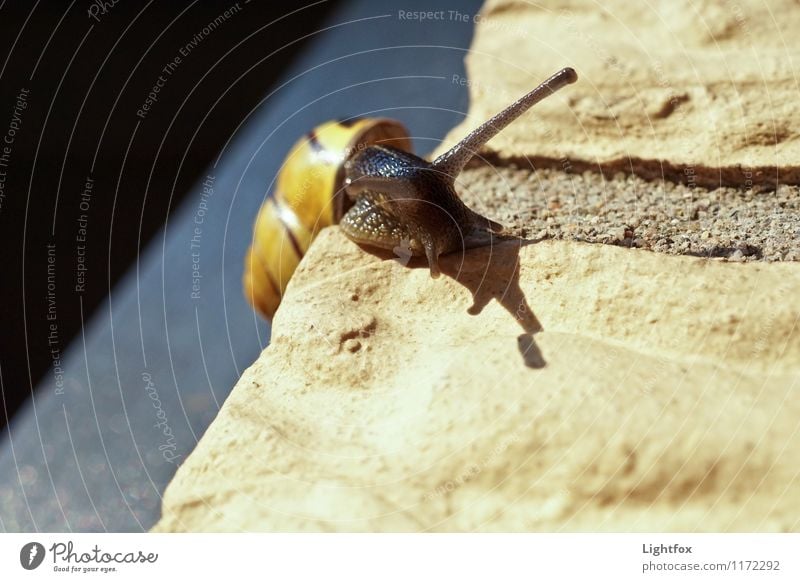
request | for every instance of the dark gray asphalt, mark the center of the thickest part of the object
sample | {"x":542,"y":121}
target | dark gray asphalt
{"x":154,"y":364}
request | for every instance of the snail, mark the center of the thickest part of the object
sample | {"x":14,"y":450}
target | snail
{"x":363,"y":175}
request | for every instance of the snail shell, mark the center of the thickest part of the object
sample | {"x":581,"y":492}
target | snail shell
{"x":308,"y":196}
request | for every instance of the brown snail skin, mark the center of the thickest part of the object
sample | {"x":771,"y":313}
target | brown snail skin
{"x":393,"y":197}
{"x":401,"y":198}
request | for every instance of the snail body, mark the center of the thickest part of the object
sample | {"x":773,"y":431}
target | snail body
{"x":392,"y":198}
{"x":403,"y":201}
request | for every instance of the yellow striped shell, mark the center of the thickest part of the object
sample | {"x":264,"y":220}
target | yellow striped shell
{"x":308,"y":196}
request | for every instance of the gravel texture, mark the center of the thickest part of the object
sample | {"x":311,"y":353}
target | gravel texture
{"x":724,"y":223}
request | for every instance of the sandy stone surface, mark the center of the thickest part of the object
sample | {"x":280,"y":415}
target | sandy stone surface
{"x":545,"y":387}
{"x":702,"y":91}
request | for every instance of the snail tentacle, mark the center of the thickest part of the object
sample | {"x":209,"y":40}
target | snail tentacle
{"x":453,"y":161}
